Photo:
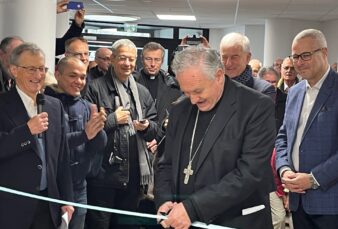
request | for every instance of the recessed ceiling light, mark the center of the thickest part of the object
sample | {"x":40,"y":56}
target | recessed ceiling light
{"x":111,"y":18}
{"x":176,"y":17}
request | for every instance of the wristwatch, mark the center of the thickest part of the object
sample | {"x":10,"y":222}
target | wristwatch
{"x":314,"y":184}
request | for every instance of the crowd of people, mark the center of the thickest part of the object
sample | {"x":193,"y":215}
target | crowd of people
{"x":223,"y":140}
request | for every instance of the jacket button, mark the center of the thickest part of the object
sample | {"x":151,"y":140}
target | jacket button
{"x":39,"y":167}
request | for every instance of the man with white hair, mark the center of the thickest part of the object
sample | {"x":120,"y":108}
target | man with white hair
{"x":131,"y":122}
{"x":236,"y":54}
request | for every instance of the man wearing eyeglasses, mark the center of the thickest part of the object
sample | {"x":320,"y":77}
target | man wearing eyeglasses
{"x":33,"y":149}
{"x":288,"y":75}
{"x":131,"y":122}
{"x":78,"y":47}
{"x":102,"y":58}
{"x":307,"y":149}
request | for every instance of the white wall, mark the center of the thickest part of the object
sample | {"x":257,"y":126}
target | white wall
{"x":279,"y":34}
{"x":255,"y":33}
{"x":330,"y":30}
{"x":36,"y":23}
{"x":215,"y":35}
{"x":273,"y":40}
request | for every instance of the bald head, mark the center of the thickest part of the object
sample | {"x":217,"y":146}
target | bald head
{"x":71,"y":75}
{"x":102,"y":58}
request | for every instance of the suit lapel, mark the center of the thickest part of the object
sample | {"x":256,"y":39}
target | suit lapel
{"x":17,"y":112}
{"x":295,"y":114}
{"x":224,"y":112}
{"x":48,"y":135}
{"x":16,"y":109}
{"x":182,"y":124}
{"x":324,"y":92}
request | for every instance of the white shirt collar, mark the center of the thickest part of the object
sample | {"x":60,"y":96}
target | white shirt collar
{"x":28,"y":102}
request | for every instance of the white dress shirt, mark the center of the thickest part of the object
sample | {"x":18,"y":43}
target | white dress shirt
{"x":28,"y":102}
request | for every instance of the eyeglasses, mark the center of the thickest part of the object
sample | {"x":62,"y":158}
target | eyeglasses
{"x":31,"y":70}
{"x":286,"y":68}
{"x":104,"y":58}
{"x":304,"y":56}
{"x":149,"y":59}
{"x":271,"y":81}
{"x":125,"y":58}
{"x":79,"y":54}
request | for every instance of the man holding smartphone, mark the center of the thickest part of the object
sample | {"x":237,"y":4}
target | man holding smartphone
{"x":126,"y":166}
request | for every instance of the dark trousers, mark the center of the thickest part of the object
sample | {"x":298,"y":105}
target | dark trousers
{"x":42,"y":217}
{"x":303,"y":220}
{"x":79,"y":215}
{"x":112,"y":198}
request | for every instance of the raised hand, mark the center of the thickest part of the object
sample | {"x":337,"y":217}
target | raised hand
{"x":96,"y":121}
{"x":61,"y":6}
{"x":79,"y":17}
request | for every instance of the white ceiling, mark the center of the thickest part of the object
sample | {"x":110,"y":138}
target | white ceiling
{"x":216,"y":13}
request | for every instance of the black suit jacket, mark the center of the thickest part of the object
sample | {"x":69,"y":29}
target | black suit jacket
{"x":233,"y":169}
{"x":20,"y":162}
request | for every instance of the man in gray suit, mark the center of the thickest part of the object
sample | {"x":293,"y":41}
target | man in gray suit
{"x":216,"y":162}
{"x":236,"y":54}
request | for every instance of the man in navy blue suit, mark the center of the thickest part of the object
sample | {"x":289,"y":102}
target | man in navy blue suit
{"x":307,"y":149}
{"x":34,"y":156}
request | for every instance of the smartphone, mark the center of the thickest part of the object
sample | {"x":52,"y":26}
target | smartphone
{"x":75,"y":5}
{"x":193,"y":40}
{"x":181,"y":47}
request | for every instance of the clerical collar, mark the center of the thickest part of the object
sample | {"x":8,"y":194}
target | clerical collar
{"x":151,"y":77}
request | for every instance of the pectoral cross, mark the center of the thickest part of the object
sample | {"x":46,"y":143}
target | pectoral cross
{"x":188,"y":172}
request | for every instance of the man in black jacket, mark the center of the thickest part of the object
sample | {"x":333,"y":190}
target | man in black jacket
{"x":131,"y":121}
{"x":163,"y":88}
{"x":84,"y":128}
{"x":216,"y":164}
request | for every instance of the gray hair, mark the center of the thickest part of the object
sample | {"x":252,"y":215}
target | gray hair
{"x":315,"y":34}
{"x":122,"y":43}
{"x":73,"y":39}
{"x":232,"y":39}
{"x":25,"y":47}
{"x":265,"y":70}
{"x":208,"y":59}
{"x":7,"y":41}
{"x":153,"y":46}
